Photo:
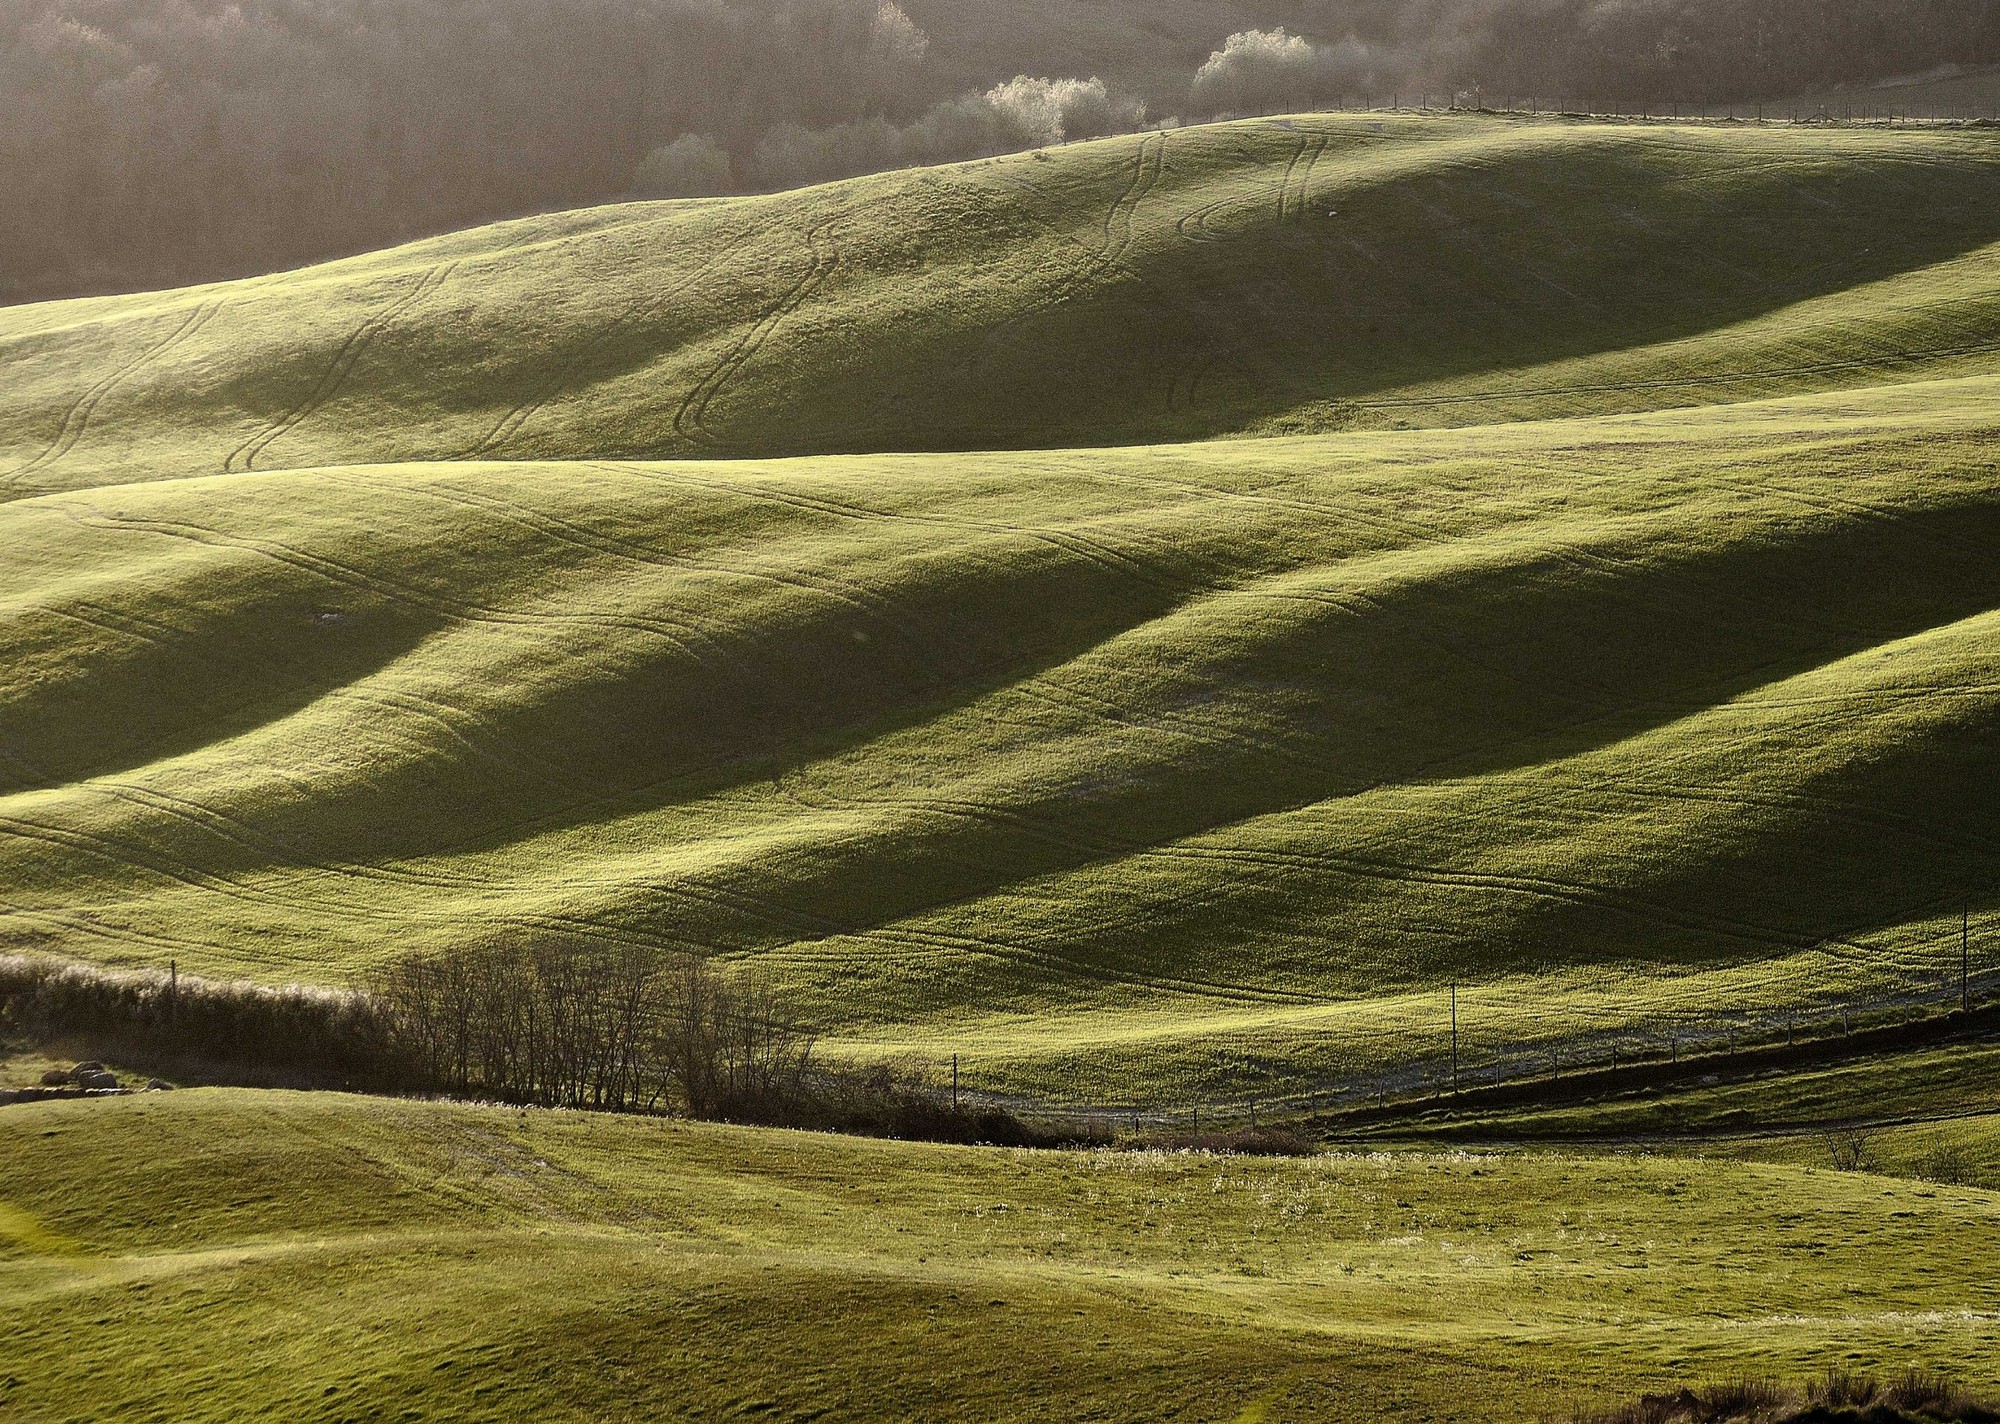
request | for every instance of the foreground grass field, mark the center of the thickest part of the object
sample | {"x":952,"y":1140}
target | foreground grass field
{"x":222,"y":1255}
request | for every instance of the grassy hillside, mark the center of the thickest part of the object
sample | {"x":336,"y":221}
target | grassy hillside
{"x":1917,"y":1096}
{"x":342,"y":615}
{"x":1289,"y":274}
{"x":215,"y":1255}
{"x":1094,"y":767}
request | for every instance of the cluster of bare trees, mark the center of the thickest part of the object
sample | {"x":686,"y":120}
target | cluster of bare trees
{"x":560,"y":1021}
{"x":146,"y":144}
{"x":1711,"y":51}
{"x":566,"y":1022}
{"x":1617,"y":51}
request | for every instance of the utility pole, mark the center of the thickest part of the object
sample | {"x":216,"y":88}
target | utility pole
{"x":954,"y":1082}
{"x":173,"y":991}
{"x":1965,"y":957}
{"x":1454,"y":1036}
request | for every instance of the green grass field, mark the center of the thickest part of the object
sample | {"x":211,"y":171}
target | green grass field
{"x":370,"y":607}
{"x":1145,"y":618}
{"x":220,"y":1255}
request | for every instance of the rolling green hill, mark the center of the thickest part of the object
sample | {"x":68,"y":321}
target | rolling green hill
{"x":1150,"y":754}
{"x":1289,"y":274}
{"x":374,"y":606}
{"x":227,"y":1255}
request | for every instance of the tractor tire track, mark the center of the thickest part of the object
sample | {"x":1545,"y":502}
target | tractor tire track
{"x":1285,"y":183}
{"x":97,"y":625}
{"x":1148,"y":165}
{"x":672,"y":631}
{"x":76,"y":420}
{"x":1082,"y":546}
{"x":244,"y":457}
{"x":272,"y":853}
{"x":510,"y":424}
{"x":73,"y":922}
{"x":127,"y":856}
{"x":1537,"y":887}
{"x":690,"y":421}
{"x":1297,"y":187}
{"x":1186,"y":382}
{"x":850,"y":592}
{"x":1051,"y":960}
{"x":275,"y":854}
{"x":1107,"y":255}
{"x":1195,"y":226}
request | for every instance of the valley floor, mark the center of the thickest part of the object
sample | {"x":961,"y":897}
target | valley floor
{"x":226,"y":1254}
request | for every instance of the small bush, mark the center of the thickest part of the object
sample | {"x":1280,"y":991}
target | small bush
{"x":1927,"y":1392}
{"x":1909,"y":1398}
{"x":894,"y":1100}
{"x":692,"y":166}
{"x":1265,"y":1142}
{"x":1850,"y":1149}
{"x":1946,"y":1165}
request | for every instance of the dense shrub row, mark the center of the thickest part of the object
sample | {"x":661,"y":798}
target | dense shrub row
{"x":559,"y":1022}
{"x":292,"y":1034}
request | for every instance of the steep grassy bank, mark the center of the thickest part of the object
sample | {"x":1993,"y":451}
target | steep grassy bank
{"x":217,"y":1255}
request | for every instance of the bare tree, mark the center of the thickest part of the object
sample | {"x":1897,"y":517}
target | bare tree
{"x":1849,"y":1148}
{"x":566,"y":1021}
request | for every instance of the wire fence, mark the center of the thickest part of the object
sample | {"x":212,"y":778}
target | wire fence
{"x":1535,"y":1054}
{"x":1883,"y":109}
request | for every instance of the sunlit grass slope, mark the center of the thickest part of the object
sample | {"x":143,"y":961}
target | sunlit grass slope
{"x":223,"y":1256}
{"x":1927,"y":1094}
{"x":1288,"y":274}
{"x":1103,"y":769}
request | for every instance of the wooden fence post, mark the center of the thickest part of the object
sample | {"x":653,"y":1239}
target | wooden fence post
{"x":1965,"y":957}
{"x":1454,"y":1036}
